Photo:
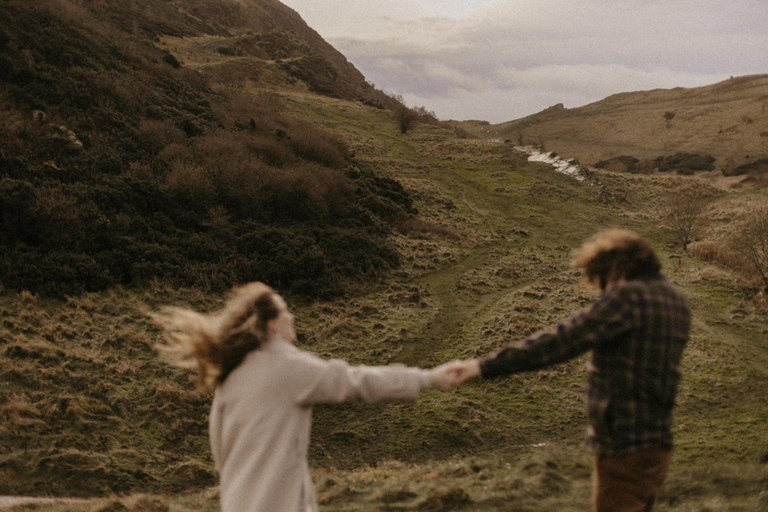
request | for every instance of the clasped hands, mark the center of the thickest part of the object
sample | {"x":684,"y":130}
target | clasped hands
{"x":449,"y":375}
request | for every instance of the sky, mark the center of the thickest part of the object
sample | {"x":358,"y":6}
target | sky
{"x":500,"y":60}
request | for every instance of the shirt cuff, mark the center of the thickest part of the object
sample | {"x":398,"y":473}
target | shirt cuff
{"x":489,"y":367}
{"x":426,"y":382}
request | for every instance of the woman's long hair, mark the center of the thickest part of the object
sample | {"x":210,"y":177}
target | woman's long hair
{"x":215,"y":344}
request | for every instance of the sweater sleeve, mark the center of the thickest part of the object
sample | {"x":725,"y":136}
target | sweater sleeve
{"x":607,"y":319}
{"x":215,"y":420}
{"x":335,"y":381}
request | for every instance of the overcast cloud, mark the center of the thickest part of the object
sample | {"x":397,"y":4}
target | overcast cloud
{"x":502,"y":60}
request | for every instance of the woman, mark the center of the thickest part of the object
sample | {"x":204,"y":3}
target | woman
{"x":264,"y":391}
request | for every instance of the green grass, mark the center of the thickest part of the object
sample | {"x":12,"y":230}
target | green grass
{"x":540,"y":478}
{"x":89,"y":409}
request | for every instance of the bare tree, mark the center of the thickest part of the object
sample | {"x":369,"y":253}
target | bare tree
{"x":685,"y":215}
{"x":405,"y":117}
{"x":752,"y":243}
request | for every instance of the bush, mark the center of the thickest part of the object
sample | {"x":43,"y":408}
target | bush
{"x":169,"y":58}
{"x":752,"y":243}
{"x":685,"y":214}
{"x":385,"y":198}
{"x":319,"y":75}
{"x":623,"y":163}
{"x":685,"y":163}
{"x":313,"y":144}
{"x":51,"y":273}
{"x":171,"y":173}
{"x":154,"y":135}
{"x":405,"y":118}
{"x":65,"y":238}
{"x":758,"y":167}
{"x":718,"y":252}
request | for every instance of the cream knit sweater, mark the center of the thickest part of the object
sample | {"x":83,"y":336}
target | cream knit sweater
{"x":261,"y":417}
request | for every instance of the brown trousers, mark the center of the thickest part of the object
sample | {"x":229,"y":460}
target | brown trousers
{"x":629,"y":483}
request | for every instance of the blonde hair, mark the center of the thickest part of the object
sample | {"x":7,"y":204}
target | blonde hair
{"x":215,"y":344}
{"x":616,"y":254}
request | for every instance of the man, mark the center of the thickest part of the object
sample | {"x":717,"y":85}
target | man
{"x":637,"y":331}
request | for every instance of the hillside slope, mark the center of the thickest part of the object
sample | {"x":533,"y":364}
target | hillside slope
{"x":448,"y":248}
{"x":120,"y":164}
{"x":90,"y":410}
{"x":727,"y":120}
{"x":267,"y":41}
{"x":265,"y":29}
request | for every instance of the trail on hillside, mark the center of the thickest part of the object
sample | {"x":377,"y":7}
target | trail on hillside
{"x":455,"y":309}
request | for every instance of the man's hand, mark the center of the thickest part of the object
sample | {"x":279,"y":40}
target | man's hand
{"x":465,"y":370}
{"x":449,"y":375}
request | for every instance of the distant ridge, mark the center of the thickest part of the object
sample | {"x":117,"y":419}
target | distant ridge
{"x":727,"y":120}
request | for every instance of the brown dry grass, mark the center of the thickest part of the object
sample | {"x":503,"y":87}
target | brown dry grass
{"x":416,"y":227}
{"x":719,"y":252}
{"x":469,"y":283}
{"x":724,"y":120}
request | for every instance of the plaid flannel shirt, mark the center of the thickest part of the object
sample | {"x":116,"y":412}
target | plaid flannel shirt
{"x":637,"y":332}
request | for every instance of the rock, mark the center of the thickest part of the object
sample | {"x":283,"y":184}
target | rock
{"x":39,"y":116}
{"x":64,"y":133}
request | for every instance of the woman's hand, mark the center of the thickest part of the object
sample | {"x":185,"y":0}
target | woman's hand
{"x":465,"y":370}
{"x":449,"y":375}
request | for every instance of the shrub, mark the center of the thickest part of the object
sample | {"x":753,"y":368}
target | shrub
{"x":155,"y":134}
{"x":190,"y":182}
{"x":162,"y":151}
{"x":645,"y":166}
{"x":313,"y":144}
{"x":752,"y":243}
{"x":303,"y":192}
{"x":170,"y":59}
{"x":461,"y":133}
{"x":51,"y":273}
{"x":719,"y":252}
{"x":623,"y":163}
{"x":247,"y":111}
{"x":319,"y":75}
{"x":757,"y":167}
{"x":16,"y":199}
{"x":405,"y":118}
{"x":685,"y":163}
{"x":385,"y":198}
{"x":685,"y":214}
{"x":57,"y":216}
{"x":272,"y":151}
{"x":356,"y":252}
{"x":426,"y":116}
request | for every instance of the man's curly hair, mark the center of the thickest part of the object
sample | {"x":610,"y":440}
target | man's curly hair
{"x":616,"y":254}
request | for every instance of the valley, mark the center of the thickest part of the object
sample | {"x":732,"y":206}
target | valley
{"x":426,"y":246}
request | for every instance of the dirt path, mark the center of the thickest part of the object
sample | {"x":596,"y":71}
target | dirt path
{"x":455,"y":310}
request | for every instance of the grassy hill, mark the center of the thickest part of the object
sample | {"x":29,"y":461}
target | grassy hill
{"x":91,"y":410}
{"x":480,"y":240}
{"x":119,"y":164}
{"x":727,"y":120}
